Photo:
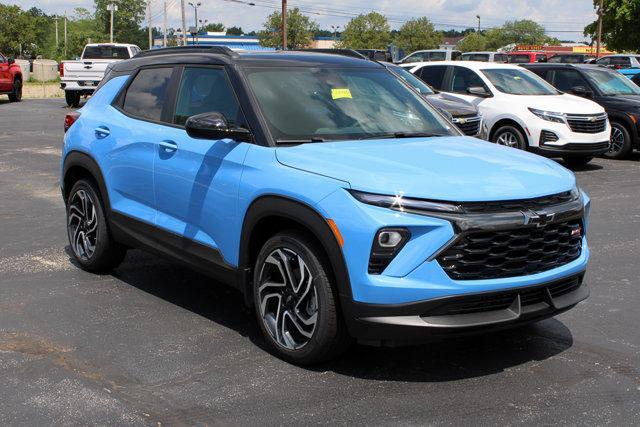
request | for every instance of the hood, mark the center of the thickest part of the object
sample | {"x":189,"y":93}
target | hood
{"x":564,"y":103}
{"x":456,"y":168}
{"x":454,"y":106}
{"x":622,"y":102}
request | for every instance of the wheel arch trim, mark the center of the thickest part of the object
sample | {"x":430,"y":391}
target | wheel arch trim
{"x":83,"y":160}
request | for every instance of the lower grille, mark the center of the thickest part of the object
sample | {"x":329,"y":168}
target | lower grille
{"x":587,"y":123}
{"x":576,"y":146}
{"x":510,"y":253}
{"x":547,"y":136}
{"x":469,"y":125}
{"x":504,"y":299}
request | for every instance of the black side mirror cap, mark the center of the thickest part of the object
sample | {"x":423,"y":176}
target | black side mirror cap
{"x":215,"y":126}
{"x":478,"y":91}
{"x":581,"y":91}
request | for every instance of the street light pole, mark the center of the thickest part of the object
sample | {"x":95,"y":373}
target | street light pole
{"x":150,"y":29}
{"x":195,"y":23}
{"x":164,"y":26}
{"x":111,"y":7}
{"x":600,"y":15}
{"x":284,"y":25}
{"x":184,"y":24}
{"x":478,"y":16}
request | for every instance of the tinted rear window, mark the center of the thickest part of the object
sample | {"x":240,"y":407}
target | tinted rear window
{"x":433,"y":75}
{"x":147,"y":93}
{"x":105,"y":52}
{"x":519,"y":59}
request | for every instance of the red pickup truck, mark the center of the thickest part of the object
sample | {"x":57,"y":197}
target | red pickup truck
{"x":10,"y":78}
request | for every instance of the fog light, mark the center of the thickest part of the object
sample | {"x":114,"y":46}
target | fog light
{"x":389,"y":239}
{"x":388,"y":242}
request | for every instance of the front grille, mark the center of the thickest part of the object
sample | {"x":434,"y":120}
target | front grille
{"x":586,"y":146}
{"x":517,"y":205}
{"x":509,"y":253}
{"x":504,"y":299}
{"x":469,"y":125}
{"x":594,"y":123}
{"x":547,"y":136}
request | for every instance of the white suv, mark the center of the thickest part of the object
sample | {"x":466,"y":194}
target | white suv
{"x":521,"y":110}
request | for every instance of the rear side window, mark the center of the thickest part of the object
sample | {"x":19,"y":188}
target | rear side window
{"x":105,"y":52}
{"x":500,"y":57}
{"x":455,"y":55}
{"x":519,"y":59}
{"x":437,"y":56}
{"x":147,"y":93}
{"x":623,"y":61}
{"x":206,"y":90}
{"x":556,"y":59}
{"x":433,"y":76}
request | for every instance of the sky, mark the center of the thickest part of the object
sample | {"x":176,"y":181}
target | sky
{"x":563,"y":19}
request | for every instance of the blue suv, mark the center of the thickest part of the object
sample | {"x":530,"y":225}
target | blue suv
{"x":328,"y":191}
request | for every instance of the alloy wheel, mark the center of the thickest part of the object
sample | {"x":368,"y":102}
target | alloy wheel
{"x":82,"y":225}
{"x":508,"y":139}
{"x":617,"y":140}
{"x":288,"y":299}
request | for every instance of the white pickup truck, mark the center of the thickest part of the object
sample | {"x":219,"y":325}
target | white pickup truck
{"x":79,"y":78}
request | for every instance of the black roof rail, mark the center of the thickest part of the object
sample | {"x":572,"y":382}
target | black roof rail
{"x":344,"y":52}
{"x":221,"y":50}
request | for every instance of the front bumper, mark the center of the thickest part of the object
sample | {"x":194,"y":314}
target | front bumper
{"x":464,"y":314}
{"x":79,"y":85}
{"x":573,"y":149}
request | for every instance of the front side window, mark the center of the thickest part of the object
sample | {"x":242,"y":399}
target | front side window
{"x":405,"y":75}
{"x":146,"y":95}
{"x":482,"y":57}
{"x":518,"y":82}
{"x":433,"y":76}
{"x":566,"y":80}
{"x":437,"y":56}
{"x":519,"y":59}
{"x":416,"y":57}
{"x":105,"y":52}
{"x":206,"y":90}
{"x":500,"y":57}
{"x":464,"y":78}
{"x":604,"y":61}
{"x":556,"y":59}
{"x":621,"y":61}
{"x":311,"y":104}
{"x":611,"y":83}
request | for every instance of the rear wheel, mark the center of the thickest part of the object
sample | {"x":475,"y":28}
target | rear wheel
{"x":89,"y":237}
{"x":620,"y":146}
{"x":296,"y":302}
{"x":72,"y":97}
{"x":510,"y":136}
{"x":16,"y":93}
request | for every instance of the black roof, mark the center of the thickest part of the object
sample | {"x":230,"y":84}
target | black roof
{"x":220,"y":55}
{"x":564,"y":64}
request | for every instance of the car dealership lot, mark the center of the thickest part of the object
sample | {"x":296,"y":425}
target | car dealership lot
{"x":155,"y":342}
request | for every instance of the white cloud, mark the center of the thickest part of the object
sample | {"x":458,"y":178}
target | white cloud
{"x":558,"y":15}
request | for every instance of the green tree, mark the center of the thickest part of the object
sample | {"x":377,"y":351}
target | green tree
{"x":82,"y":28}
{"x":215,"y":27}
{"x":17,"y":31}
{"x":524,"y":32}
{"x":300,"y":30}
{"x":127,"y":20}
{"x":620,"y":25}
{"x":473,"y":42}
{"x":418,"y":34}
{"x":234,"y":31}
{"x":369,"y":31}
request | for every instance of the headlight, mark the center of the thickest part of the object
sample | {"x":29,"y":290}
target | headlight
{"x":549,"y":115}
{"x":575,"y":193}
{"x":403,"y":204}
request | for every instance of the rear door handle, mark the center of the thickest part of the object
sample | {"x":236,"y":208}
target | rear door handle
{"x":168,"y":146}
{"x":102,"y":132}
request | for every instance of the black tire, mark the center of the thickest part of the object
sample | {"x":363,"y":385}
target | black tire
{"x":90,"y":227}
{"x":16,"y":94}
{"x":620,"y":142}
{"x":510,"y":136}
{"x":576,"y":161}
{"x":328,"y":338}
{"x":72,"y":97}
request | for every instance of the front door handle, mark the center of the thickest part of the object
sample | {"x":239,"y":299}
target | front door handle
{"x":102,"y":132}
{"x":168,"y":146}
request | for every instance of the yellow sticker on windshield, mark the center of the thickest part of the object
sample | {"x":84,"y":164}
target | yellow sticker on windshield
{"x":517,"y":78}
{"x":340,"y":93}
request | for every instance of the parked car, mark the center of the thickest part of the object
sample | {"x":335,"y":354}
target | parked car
{"x":375,"y":54}
{"x":485,"y":57}
{"x":522,"y":110}
{"x":463,"y":114}
{"x":572,"y":58}
{"x":619,"y":97}
{"x":10,"y":78}
{"x":431,"y":55}
{"x":80,"y":78}
{"x":327,"y":191}
{"x":628,"y":65}
{"x":526,"y":57}
{"x":636,"y":79}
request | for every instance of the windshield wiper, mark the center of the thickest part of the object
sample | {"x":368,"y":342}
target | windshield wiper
{"x":299,"y":141}
{"x":404,"y":135}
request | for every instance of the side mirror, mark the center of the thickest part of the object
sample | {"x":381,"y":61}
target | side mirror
{"x":215,"y":126}
{"x":581,"y":91}
{"x":11,"y":60}
{"x":478,"y":91}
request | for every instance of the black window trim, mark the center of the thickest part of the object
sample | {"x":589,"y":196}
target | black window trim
{"x":449,"y":81}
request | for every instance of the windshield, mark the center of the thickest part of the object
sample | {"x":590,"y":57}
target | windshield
{"x":518,"y":82}
{"x":410,"y":78}
{"x":611,"y":83}
{"x":311,"y":104}
{"x":105,"y":52}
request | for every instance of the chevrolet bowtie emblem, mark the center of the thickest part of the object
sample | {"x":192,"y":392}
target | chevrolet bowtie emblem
{"x":537,"y":219}
{"x":462,"y":121}
{"x":592,"y":119}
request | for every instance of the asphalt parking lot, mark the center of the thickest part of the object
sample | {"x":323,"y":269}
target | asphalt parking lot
{"x":156,"y":343}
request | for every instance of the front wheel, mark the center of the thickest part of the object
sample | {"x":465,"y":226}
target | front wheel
{"x":296,"y":302}
{"x":509,"y":136}
{"x":16,"y":93}
{"x":620,"y":145}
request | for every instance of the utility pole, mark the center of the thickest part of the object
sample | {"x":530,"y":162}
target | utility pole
{"x":195,"y":23}
{"x":56,"y":21}
{"x":65,"y":35}
{"x":112,"y":7}
{"x":600,"y":15}
{"x":150,"y":29}
{"x":164,"y":25}
{"x":284,"y":25}
{"x":184,"y":24}
{"x":478,"y":16}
